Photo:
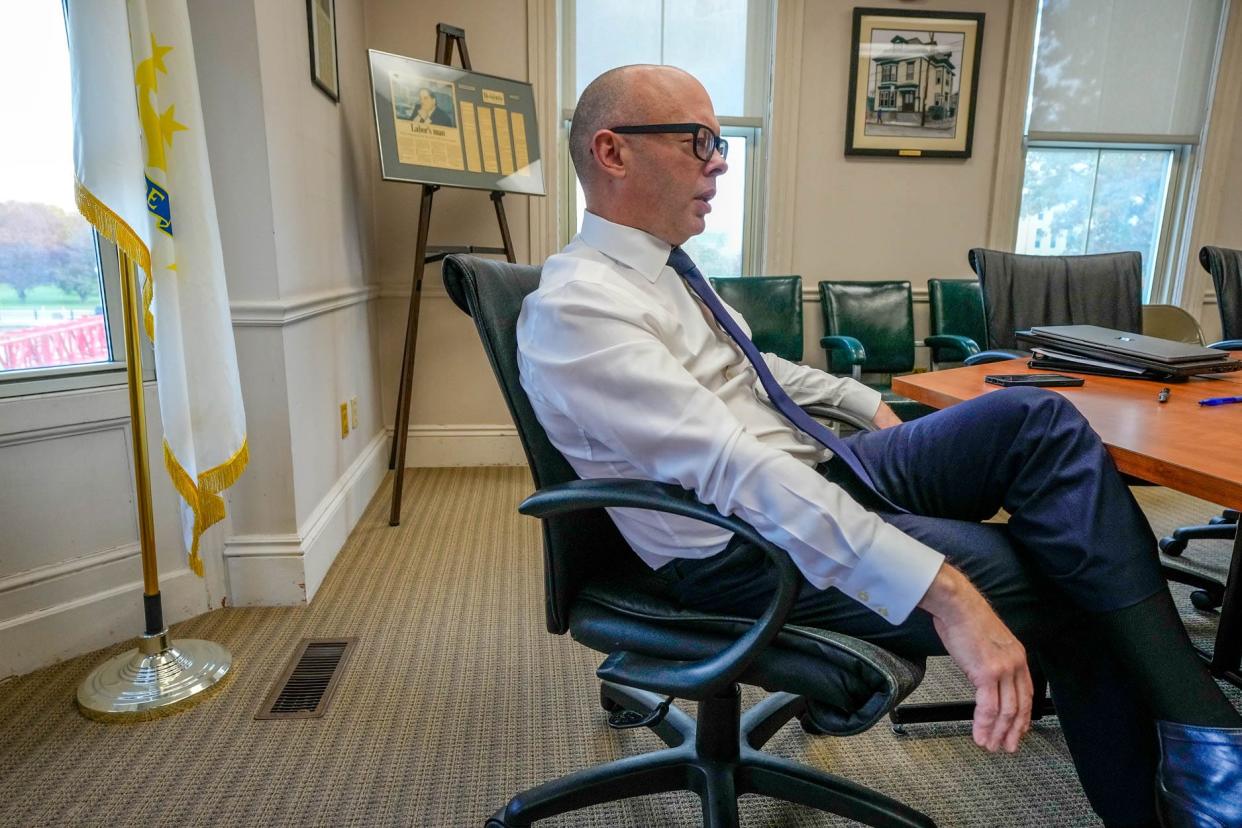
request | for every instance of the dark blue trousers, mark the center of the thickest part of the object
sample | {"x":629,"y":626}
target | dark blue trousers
{"x":1076,"y":545}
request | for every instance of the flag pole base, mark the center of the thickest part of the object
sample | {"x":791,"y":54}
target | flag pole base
{"x":158,"y":678}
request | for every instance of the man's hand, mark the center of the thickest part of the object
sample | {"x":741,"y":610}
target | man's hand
{"x":992,"y":658}
{"x":884,"y":417}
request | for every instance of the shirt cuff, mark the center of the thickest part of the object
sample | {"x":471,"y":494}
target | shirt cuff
{"x":859,"y":399}
{"x":893,"y":576}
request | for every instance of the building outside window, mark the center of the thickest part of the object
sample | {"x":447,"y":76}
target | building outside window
{"x":1116,"y":113}
{"x":54,"y":308}
{"x":730,"y":52}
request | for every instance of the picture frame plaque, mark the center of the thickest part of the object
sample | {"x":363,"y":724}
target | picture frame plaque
{"x":913,"y":83}
{"x":447,"y":126}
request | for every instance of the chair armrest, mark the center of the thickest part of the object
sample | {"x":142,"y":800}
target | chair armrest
{"x":831,"y":412}
{"x":998,"y":355}
{"x":1228,"y":345}
{"x":951,"y":347}
{"x":852,"y":351}
{"x":684,"y":679}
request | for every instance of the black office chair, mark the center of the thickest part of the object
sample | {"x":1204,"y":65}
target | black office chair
{"x":599,"y":592}
{"x":771,"y":306}
{"x":1225,"y":267}
{"x":1022,"y":291}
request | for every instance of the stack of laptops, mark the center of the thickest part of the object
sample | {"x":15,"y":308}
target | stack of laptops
{"x":1088,"y":349}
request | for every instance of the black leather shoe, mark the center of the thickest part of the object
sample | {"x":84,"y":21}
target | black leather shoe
{"x":1199,"y":782}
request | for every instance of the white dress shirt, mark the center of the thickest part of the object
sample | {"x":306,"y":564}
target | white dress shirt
{"x":630,"y":379}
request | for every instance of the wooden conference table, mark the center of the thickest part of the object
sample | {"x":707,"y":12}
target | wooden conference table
{"x":1179,"y":444}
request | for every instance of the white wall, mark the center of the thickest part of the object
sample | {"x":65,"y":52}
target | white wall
{"x":294,"y":178}
{"x":70,"y":572}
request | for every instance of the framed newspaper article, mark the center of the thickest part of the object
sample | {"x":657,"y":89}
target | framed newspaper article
{"x":438,"y":124}
{"x":913,"y":78}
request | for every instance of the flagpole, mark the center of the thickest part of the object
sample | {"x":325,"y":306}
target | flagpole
{"x":157,"y":678}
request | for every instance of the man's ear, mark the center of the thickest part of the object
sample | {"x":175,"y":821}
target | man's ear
{"x":606,"y":147}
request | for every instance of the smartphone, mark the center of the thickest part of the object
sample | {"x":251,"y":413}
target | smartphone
{"x":1039,"y":380}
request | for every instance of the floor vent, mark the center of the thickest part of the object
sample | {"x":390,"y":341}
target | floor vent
{"x":305,"y":687}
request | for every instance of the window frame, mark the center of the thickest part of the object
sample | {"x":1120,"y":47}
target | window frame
{"x":1176,"y":199}
{"x":87,"y":375}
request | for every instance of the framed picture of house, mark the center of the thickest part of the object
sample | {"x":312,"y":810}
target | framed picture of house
{"x":913,"y":81}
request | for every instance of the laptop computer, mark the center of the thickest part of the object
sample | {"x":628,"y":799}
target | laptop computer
{"x":1123,"y":344}
{"x":1122,"y":350}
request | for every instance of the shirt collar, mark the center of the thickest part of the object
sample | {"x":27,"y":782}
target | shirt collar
{"x":630,"y":246}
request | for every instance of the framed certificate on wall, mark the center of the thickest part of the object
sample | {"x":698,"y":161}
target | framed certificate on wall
{"x":438,"y":124}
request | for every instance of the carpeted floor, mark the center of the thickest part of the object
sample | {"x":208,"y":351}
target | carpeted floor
{"x":456,"y":698}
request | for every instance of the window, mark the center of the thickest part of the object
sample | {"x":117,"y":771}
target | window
{"x":909,"y":70}
{"x":1115,"y":114}
{"x":54,"y":329}
{"x":888,"y":73}
{"x":726,"y":44}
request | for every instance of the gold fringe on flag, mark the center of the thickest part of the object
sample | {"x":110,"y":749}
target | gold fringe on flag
{"x":112,"y":226}
{"x":203,"y":497}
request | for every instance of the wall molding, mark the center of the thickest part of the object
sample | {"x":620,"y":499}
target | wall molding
{"x":810,"y":295}
{"x":48,"y":634}
{"x":288,"y":569}
{"x":42,"y":574}
{"x":277,"y":313}
{"x":16,"y":438}
{"x":440,"y":446}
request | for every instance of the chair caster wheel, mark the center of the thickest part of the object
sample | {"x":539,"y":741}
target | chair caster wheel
{"x":497,"y":820}
{"x":1172,"y":547}
{"x":608,"y":704}
{"x":1204,"y":600}
{"x":899,"y":730}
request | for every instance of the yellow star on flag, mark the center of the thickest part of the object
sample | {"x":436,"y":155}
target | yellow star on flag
{"x":169,"y":124}
{"x":145,"y":75}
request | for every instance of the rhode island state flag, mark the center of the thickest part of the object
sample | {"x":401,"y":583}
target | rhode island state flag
{"x":143,"y":181}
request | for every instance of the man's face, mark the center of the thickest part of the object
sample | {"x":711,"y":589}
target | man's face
{"x":671,"y":188}
{"x":425,"y":101}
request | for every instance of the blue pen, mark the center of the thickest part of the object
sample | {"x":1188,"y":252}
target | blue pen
{"x":1220,"y":400}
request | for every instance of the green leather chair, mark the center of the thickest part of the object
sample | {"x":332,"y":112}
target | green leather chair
{"x":869,"y":328}
{"x":958,"y":326}
{"x":771,"y":306}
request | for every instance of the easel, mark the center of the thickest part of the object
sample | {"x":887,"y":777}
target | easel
{"x":445,"y":37}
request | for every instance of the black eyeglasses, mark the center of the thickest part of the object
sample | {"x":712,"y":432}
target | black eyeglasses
{"x":706,"y":142}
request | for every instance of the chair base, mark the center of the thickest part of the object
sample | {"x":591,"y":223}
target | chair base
{"x":964,"y":711}
{"x":1218,"y":528}
{"x":719,"y":758}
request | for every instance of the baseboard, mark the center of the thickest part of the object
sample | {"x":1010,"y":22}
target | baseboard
{"x":287,"y":570}
{"x":438,"y":446}
{"x":44,"y":635}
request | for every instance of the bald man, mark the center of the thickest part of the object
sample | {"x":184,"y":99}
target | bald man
{"x":632,"y":369}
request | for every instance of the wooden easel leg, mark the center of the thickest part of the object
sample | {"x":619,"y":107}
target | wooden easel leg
{"x":392,"y":449}
{"x":505,"y":238}
{"x":401,"y":424}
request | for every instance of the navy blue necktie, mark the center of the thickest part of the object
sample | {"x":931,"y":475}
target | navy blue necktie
{"x":679,"y":261}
